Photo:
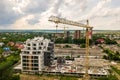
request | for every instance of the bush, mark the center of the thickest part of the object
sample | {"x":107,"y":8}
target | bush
{"x":111,"y":55}
{"x":110,"y":77}
{"x":67,"y":46}
{"x":68,"y":78}
{"x":105,"y":57}
{"x":5,"y":67}
{"x":15,"y":77}
{"x":82,"y":46}
{"x":67,"y":57}
{"x":116,"y":70}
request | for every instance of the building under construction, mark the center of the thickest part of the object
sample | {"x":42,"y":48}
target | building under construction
{"x":84,"y":66}
{"x":36,"y":54}
{"x":76,"y":67}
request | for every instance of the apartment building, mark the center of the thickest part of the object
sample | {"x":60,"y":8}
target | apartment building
{"x":77,"y":34}
{"x":36,"y":54}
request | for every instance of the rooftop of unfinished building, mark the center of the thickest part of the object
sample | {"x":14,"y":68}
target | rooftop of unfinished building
{"x":37,"y":39}
{"x":71,"y":68}
{"x":92,"y":62}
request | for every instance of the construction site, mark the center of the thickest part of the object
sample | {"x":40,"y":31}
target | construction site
{"x":86,"y":63}
{"x":60,"y":40}
{"x":97,"y":68}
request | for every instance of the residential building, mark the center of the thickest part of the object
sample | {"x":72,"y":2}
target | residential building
{"x":100,"y":41}
{"x":67,"y":34}
{"x":36,"y":54}
{"x":77,"y":34}
{"x":1,"y":44}
{"x":11,"y":43}
{"x":19,"y":45}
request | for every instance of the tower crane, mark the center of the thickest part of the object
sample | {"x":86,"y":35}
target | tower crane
{"x":58,"y":20}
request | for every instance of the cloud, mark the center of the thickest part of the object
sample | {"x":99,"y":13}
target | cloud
{"x":20,"y":5}
{"x":22,"y":23}
{"x":37,"y":6}
{"x":7,"y":14}
{"x":33,"y":21}
{"x":41,"y":20}
{"x":97,"y":10}
{"x":34,"y":14}
{"x":16,"y":9}
{"x":61,"y":8}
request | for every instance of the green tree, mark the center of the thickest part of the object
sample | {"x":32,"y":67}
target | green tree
{"x":105,"y":57}
{"x":15,"y":77}
{"x":67,"y":57}
{"x":82,"y":45}
{"x":59,"y":40}
{"x":67,"y":46}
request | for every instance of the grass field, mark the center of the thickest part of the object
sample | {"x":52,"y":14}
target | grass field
{"x":48,"y":77}
{"x":117,"y":65}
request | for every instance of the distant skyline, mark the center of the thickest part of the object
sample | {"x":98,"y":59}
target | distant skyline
{"x":33,"y":14}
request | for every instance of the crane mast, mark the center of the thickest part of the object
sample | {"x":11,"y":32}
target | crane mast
{"x":69,"y":22}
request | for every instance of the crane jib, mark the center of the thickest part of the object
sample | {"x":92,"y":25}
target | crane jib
{"x":65,"y":21}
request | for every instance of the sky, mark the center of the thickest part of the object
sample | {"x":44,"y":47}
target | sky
{"x":34,"y":14}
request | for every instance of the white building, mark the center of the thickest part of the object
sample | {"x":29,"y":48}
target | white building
{"x":1,"y":44}
{"x":36,"y":54}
